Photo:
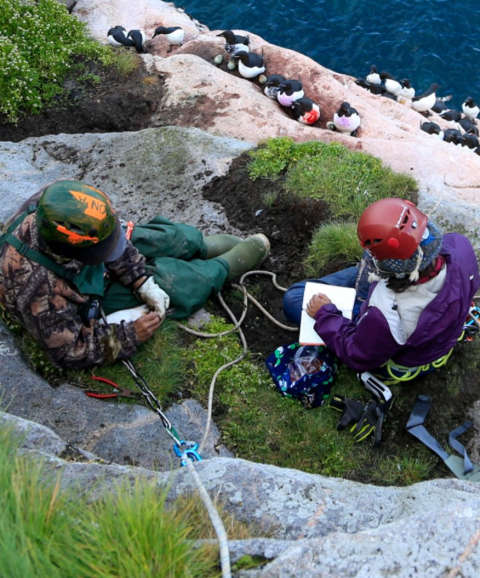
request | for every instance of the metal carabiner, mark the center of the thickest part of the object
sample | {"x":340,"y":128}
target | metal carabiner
{"x":189,"y":452}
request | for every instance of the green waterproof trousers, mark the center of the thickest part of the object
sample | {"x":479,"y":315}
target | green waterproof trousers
{"x":175,"y":257}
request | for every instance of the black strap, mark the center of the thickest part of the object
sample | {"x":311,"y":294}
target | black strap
{"x":36,"y":256}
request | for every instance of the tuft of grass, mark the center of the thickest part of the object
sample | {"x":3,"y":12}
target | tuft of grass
{"x":40,"y":45}
{"x":192,"y":509}
{"x":406,"y":470}
{"x":347,"y":181}
{"x":332,"y":243}
{"x":124,"y":61}
{"x":128,"y":532}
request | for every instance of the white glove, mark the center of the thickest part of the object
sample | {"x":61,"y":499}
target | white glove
{"x":154,"y":296}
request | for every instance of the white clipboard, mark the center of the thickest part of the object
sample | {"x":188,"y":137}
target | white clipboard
{"x":342,"y":297}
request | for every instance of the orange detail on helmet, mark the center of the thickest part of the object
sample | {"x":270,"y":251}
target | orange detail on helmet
{"x":93,"y":207}
{"x":391,"y":229}
{"x":74,"y":238}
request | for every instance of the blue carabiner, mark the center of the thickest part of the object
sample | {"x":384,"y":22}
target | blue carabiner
{"x":190,"y":452}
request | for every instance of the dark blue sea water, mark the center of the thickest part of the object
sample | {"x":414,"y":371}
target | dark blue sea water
{"x":423,"y":40}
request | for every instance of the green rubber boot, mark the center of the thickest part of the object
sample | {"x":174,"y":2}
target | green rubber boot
{"x":247,"y":255}
{"x":219,"y":244}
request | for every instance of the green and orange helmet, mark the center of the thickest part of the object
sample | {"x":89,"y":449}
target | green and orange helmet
{"x":77,"y":221}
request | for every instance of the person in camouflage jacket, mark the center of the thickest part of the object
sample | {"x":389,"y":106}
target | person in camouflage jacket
{"x":63,"y":242}
{"x":47,"y":305}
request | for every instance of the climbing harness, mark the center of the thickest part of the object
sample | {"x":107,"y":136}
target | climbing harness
{"x":462,"y":467}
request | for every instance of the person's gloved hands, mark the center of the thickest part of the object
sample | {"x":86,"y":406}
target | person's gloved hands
{"x":154,"y":296}
{"x":371,"y":421}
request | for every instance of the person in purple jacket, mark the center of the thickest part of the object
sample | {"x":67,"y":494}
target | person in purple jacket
{"x":416,"y":301}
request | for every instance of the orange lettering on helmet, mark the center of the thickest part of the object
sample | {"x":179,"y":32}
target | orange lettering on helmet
{"x":93,"y":207}
{"x":75,"y":238}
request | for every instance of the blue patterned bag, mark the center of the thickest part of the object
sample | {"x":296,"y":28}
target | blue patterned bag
{"x":303,"y":372}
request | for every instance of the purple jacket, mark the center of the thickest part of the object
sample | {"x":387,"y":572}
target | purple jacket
{"x":368,"y":343}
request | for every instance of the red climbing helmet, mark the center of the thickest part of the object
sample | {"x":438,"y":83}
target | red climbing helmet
{"x":391,"y":229}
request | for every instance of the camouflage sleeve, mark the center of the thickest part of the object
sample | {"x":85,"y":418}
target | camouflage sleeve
{"x":129,"y":267}
{"x":47,"y":307}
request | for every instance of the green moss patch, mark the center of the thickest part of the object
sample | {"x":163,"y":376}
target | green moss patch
{"x":346,"y":181}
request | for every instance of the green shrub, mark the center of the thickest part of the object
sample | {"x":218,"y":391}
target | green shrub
{"x":40,"y":44}
{"x":332,"y":243}
{"x":129,"y":532}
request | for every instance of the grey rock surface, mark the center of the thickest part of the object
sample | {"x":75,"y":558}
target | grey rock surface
{"x":114,"y":431}
{"x":316,"y":526}
{"x":145,"y":173}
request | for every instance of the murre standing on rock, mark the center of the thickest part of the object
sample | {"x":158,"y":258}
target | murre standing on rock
{"x":373,"y":77}
{"x":392,"y":85}
{"x":174,"y":35}
{"x":377,"y":89}
{"x":234,"y":42}
{"x":425,"y":101}
{"x":407,"y":90}
{"x":289,"y":92}
{"x":272,"y":85}
{"x":116,"y":37}
{"x":346,"y":120}
{"x":470,"y":109}
{"x":250,"y":65}
{"x":138,"y":38}
{"x":306,"y":111}
{"x":468,"y":140}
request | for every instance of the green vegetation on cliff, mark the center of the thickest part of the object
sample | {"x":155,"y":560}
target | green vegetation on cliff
{"x":41,"y":46}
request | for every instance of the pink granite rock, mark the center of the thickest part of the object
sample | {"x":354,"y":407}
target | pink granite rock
{"x":217,"y":100}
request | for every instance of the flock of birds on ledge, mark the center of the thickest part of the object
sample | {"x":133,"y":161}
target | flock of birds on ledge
{"x":290,"y":95}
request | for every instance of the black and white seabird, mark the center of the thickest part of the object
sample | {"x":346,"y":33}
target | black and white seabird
{"x":174,"y":35}
{"x":116,"y":37}
{"x":272,"y":85}
{"x":138,"y":38}
{"x":451,"y":115}
{"x":470,"y":109}
{"x":407,"y":91}
{"x":426,"y":100}
{"x":373,"y":77}
{"x":469,"y":126}
{"x":250,"y":65}
{"x":452,"y":135}
{"x":306,"y":111}
{"x":289,"y":92}
{"x":391,"y":84}
{"x":346,"y":120}
{"x":468,"y":140}
{"x":432,"y":128}
{"x":234,"y":42}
